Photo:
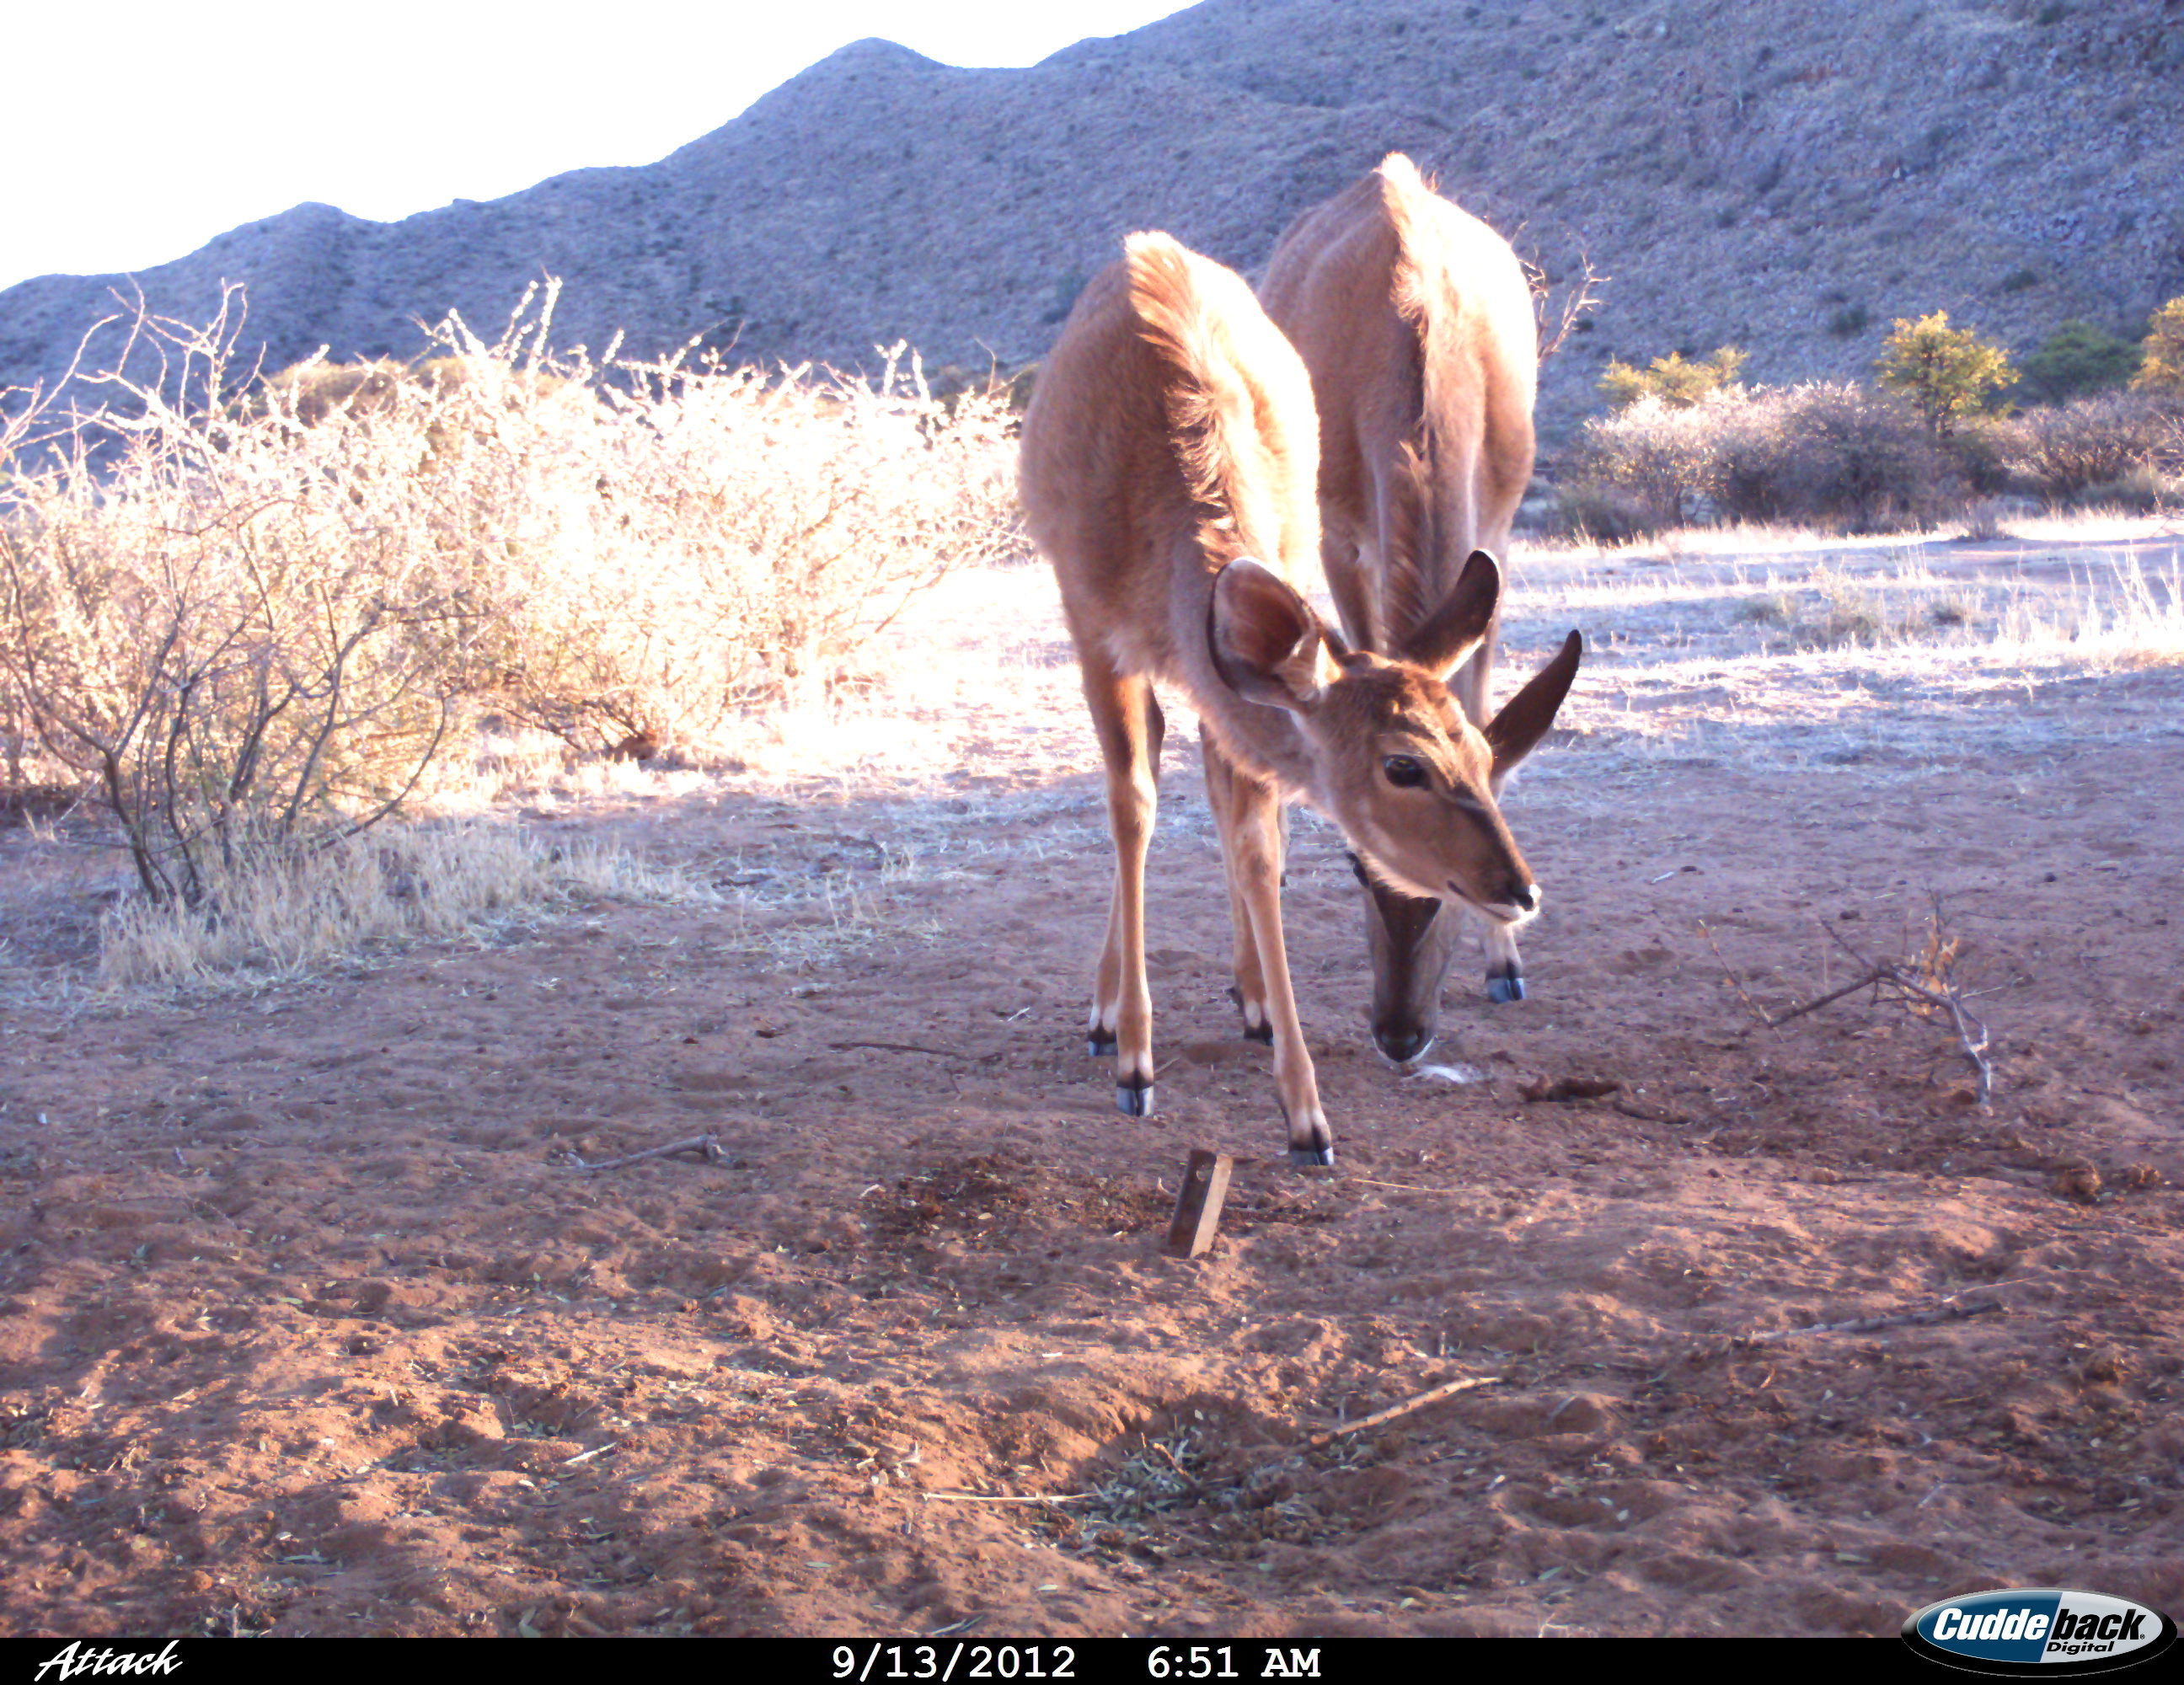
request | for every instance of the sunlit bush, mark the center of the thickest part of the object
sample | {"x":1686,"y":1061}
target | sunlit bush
{"x":248,"y":615}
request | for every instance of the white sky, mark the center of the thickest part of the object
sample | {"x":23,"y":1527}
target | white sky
{"x":139,"y":128}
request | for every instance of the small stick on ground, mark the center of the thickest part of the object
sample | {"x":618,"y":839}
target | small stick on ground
{"x":1433,"y":1396}
{"x":706,"y":1146}
{"x":913,"y":1047}
{"x":983,"y":1498}
{"x":1197,"y":1487}
{"x":1878,"y":973}
{"x":1949,"y":1310}
{"x":1734,"y":982}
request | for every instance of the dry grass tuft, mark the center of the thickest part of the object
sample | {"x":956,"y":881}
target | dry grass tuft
{"x":284,"y":916}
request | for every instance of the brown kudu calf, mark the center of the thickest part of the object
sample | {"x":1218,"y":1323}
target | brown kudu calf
{"x":1415,"y":321}
{"x":1168,"y":473}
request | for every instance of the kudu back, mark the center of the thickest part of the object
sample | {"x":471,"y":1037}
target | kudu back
{"x":1415,"y":322}
{"x":1169,"y":473}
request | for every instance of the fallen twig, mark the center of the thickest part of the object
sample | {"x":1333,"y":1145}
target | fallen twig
{"x":1878,"y":974}
{"x":1931,"y":983}
{"x":986,"y":1498}
{"x":706,"y":1146}
{"x":1926,"y":987}
{"x":1658,"y":1115}
{"x":1946,"y":1310}
{"x":913,"y":1047}
{"x":1432,"y":1396}
{"x":1734,"y":982}
{"x":1401,"y":1187}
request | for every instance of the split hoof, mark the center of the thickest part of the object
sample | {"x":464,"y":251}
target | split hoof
{"x":1133,"y":1102}
{"x":1261,"y":1033}
{"x":1100,"y":1044}
{"x":1502,"y":990}
{"x":1319,"y":1157}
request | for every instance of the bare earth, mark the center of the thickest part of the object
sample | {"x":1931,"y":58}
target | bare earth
{"x":307,"y":1324}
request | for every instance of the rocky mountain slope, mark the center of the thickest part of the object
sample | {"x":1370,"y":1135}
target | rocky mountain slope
{"x":1785,"y":178}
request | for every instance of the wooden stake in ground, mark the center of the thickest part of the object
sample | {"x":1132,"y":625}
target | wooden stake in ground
{"x":1198,"y":1205}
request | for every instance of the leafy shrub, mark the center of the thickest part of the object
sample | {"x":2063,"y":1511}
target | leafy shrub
{"x":2077,"y":360}
{"x":2161,"y":367}
{"x":1946,"y":372}
{"x":1672,"y":380}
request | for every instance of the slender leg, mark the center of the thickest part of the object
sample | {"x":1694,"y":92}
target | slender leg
{"x":1252,"y":844}
{"x":1130,"y":729}
{"x":1505,"y":966}
{"x":1251,"y":991}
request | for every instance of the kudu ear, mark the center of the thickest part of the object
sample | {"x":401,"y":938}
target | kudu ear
{"x":1265,"y":638}
{"x":1524,"y":718}
{"x":1445,"y":639}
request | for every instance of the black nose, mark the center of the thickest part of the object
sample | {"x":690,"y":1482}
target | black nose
{"x":1528,"y":897}
{"x":1402,"y":1046}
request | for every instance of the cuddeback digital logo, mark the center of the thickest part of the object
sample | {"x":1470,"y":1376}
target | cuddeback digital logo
{"x":2039,"y":1631}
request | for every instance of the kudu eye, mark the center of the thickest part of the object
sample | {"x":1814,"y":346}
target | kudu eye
{"x":1404,"y":771}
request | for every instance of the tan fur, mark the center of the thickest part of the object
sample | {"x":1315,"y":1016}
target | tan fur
{"x":1415,"y":321}
{"x":1169,"y":471}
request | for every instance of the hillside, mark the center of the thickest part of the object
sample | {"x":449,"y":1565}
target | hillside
{"x":1787,"y":180}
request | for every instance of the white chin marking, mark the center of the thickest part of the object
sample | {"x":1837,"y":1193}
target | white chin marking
{"x":1506,"y":912}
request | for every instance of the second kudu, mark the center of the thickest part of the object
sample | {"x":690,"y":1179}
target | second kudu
{"x":1415,"y":321}
{"x":1169,"y":472}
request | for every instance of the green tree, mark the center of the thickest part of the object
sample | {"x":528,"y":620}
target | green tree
{"x":1678,"y":382}
{"x":2161,"y":367}
{"x":1946,"y":372}
{"x":2076,"y":360}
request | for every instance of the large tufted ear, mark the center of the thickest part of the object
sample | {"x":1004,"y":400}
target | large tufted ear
{"x":1265,"y":638}
{"x":1444,"y":640}
{"x":1514,"y":732}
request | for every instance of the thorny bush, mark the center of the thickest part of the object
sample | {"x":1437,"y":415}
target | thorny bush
{"x":248,"y":614}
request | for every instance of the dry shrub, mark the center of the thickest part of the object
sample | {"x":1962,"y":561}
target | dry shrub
{"x":2076,"y":450}
{"x":1648,"y":465}
{"x":248,"y":619}
{"x":200,"y":621}
{"x":1829,"y":454}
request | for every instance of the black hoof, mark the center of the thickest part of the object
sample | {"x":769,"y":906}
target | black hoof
{"x":1099,"y":1044}
{"x":1502,"y":990}
{"x":1317,"y":1156}
{"x":1261,"y":1033}
{"x":1133,"y":1102}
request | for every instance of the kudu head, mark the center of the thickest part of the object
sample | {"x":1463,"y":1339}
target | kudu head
{"x":1395,"y":763}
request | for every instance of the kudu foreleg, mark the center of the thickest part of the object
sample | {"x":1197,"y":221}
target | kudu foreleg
{"x":1130,"y":728}
{"x":1505,"y":966}
{"x":1249,"y":993}
{"x":1251,"y":848}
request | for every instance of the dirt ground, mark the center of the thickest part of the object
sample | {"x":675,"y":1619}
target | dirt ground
{"x":309,"y":1324}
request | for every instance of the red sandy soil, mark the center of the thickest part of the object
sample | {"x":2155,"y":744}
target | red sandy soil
{"x":309,"y":1324}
